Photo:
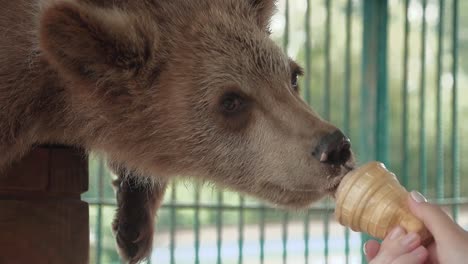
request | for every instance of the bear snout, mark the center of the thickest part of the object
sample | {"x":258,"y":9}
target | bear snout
{"x":333,"y":148}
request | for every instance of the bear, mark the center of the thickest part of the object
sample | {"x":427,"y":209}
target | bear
{"x":165,"y":88}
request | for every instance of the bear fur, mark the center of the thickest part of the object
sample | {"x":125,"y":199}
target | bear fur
{"x":162,"y":88}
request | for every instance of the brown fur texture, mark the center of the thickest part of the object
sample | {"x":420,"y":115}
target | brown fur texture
{"x":133,"y":224}
{"x":162,"y":88}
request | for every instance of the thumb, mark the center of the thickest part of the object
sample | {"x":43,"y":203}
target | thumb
{"x":441,"y":226}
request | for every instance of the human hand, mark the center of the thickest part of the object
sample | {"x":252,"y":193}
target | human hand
{"x":450,"y":240}
{"x":397,"y":248}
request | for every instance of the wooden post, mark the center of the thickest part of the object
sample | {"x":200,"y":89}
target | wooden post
{"x":42,"y":218}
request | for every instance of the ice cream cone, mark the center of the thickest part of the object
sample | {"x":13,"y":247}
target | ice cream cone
{"x":370,"y":199}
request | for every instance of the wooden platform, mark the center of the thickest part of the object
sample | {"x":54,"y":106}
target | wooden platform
{"x":42,"y":218}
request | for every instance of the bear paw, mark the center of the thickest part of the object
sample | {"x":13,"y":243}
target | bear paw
{"x":134,"y":237}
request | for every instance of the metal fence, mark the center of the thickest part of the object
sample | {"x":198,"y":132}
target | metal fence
{"x":391,"y":74}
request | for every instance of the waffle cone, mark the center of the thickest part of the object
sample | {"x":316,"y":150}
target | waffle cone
{"x":370,"y":199}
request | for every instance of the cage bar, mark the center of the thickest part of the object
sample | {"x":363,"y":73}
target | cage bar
{"x":455,"y":144}
{"x":327,"y":111}
{"x":262,"y":233}
{"x":307,"y":51}
{"x":172,"y":209}
{"x":219,"y":228}
{"x":196,"y":223}
{"x":285,"y":237}
{"x":286,"y":27}
{"x":99,"y":212}
{"x":422,"y":106}
{"x":285,"y":220}
{"x":347,"y":95}
{"x":307,"y":98}
{"x":241,"y":229}
{"x":440,"y":183}
{"x":326,"y":232}
{"x":319,"y":209}
{"x":405,"y":115}
{"x":306,"y":236}
{"x":374,"y":90}
{"x":327,"y":77}
{"x":381,"y":122}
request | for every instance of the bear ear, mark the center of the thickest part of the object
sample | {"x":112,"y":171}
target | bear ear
{"x":95,"y":45}
{"x":264,"y":11}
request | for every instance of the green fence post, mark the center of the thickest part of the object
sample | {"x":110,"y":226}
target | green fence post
{"x":327,"y":77}
{"x":405,"y":118}
{"x":422,"y":107}
{"x":286,"y":28}
{"x":285,"y":236}
{"x":374,"y":94}
{"x":440,"y":187}
{"x":455,"y":143}
{"x":241,"y":229}
{"x":307,"y":97}
{"x":262,"y":233}
{"x":327,"y":112}
{"x":99,"y":213}
{"x":173,"y":224}
{"x":308,"y":62}
{"x":347,"y":95}
{"x":219,"y":227}
{"x":196,"y":225}
{"x":286,"y":214}
{"x":306,"y":236}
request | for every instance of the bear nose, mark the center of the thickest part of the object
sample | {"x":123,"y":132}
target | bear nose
{"x":334,"y":148}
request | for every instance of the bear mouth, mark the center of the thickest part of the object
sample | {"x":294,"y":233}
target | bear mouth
{"x":332,"y":190}
{"x":341,"y":170}
{"x":300,"y":197}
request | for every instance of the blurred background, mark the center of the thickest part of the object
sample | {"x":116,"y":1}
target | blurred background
{"x":393,"y":74}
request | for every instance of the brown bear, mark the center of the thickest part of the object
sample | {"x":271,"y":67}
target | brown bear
{"x":164,"y":88}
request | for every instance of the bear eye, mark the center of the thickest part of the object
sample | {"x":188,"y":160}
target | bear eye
{"x":296,"y":71}
{"x":232,"y":103}
{"x":294,"y":82}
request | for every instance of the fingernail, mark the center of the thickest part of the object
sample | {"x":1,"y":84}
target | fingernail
{"x":409,"y":239}
{"x":396,"y":232}
{"x":418,"y":197}
{"x":364,"y":248}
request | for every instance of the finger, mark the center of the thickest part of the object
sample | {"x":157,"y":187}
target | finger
{"x":397,"y":244}
{"x":417,"y":256}
{"x":371,"y":248}
{"x":441,"y":226}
